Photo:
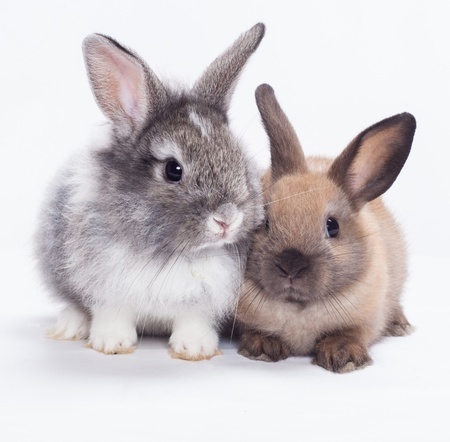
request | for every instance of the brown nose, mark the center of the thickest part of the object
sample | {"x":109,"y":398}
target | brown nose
{"x":291,"y":263}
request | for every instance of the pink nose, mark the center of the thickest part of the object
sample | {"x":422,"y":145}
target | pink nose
{"x":222,"y":224}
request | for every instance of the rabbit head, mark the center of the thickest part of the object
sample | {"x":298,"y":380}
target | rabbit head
{"x":174,"y":177}
{"x":316,"y":239}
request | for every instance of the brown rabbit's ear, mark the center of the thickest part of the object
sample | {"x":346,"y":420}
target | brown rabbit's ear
{"x":373,"y":160}
{"x":285,"y":149}
{"x":126,"y":90}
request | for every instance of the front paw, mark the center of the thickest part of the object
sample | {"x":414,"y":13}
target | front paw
{"x":113,"y":330}
{"x":113,"y":342}
{"x":341,"y":353}
{"x":193,"y":340}
{"x":72,"y":324}
{"x":398,"y":325}
{"x":255,"y":345}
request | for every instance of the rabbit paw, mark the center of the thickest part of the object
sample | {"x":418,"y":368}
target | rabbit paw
{"x":113,"y":331}
{"x":341,"y":353}
{"x":193,"y":341}
{"x":260,"y":347}
{"x":72,"y":324}
{"x":398,"y":325}
{"x":113,"y":342}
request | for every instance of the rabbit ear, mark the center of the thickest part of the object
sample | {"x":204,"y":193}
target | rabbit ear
{"x":126,"y":90}
{"x":217,"y":84}
{"x":373,"y":160}
{"x":286,"y":152}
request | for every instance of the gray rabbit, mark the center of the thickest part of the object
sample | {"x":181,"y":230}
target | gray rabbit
{"x":149,"y":232}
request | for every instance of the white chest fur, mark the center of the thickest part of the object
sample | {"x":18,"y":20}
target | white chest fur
{"x":160,"y":290}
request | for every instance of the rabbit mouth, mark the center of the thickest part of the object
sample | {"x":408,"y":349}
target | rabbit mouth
{"x":292,"y":289}
{"x":296,"y":295}
{"x":218,"y":241}
{"x":223,"y":227}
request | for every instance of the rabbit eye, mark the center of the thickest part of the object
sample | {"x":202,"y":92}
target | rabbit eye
{"x":174,"y":171}
{"x":332,"y":228}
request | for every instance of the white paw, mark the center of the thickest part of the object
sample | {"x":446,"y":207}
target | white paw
{"x":193,"y":340}
{"x":72,"y":324}
{"x":113,"y":331}
{"x":113,"y":343}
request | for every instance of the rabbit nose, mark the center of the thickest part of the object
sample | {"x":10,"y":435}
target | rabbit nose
{"x":221,"y":224}
{"x":228,"y":217}
{"x":291,"y":263}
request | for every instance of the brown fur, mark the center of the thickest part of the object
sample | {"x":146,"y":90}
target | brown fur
{"x":264,"y":347}
{"x":306,"y":293}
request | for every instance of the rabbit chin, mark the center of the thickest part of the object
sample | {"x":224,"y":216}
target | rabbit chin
{"x":217,"y":241}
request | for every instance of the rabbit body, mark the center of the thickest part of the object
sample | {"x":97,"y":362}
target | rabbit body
{"x":149,"y":230}
{"x":326,"y":272}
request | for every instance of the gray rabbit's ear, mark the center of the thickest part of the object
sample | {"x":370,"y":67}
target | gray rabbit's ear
{"x":287,"y":155}
{"x":126,"y":90}
{"x":373,"y":160}
{"x":217,"y":84}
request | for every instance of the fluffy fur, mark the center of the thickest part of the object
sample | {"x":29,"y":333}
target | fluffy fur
{"x":312,"y":291}
{"x":127,"y":248}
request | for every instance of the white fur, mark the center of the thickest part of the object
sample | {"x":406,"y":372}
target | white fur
{"x":113,"y":329}
{"x":186,"y":298}
{"x":152,"y":297}
{"x":201,"y":123}
{"x":72,"y":324}
{"x":148,"y":285}
{"x":81,"y":171}
{"x":143,"y":293}
{"x":217,"y":235}
{"x":193,"y":337}
{"x":165,"y":150}
{"x":84,"y":187}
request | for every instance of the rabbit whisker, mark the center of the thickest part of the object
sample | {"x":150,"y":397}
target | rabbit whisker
{"x":338,"y":309}
{"x":296,"y":194}
{"x":155,"y":277}
{"x":251,"y":292}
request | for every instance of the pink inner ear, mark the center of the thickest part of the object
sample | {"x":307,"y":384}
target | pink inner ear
{"x":129,"y":81}
{"x":119,"y":83}
{"x":360,"y":173}
{"x":368,"y":163}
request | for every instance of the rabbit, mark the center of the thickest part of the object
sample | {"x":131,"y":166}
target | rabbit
{"x":148,"y":231}
{"x":326,"y":269}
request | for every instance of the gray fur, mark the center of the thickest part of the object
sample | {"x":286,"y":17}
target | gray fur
{"x":115,"y":195}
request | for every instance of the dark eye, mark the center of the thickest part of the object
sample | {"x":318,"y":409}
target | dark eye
{"x":332,"y":228}
{"x":174,"y":171}
{"x":267,"y":223}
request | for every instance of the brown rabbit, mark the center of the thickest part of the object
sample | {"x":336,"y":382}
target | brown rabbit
{"x":326,"y":270}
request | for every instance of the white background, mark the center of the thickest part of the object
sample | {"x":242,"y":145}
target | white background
{"x":336,"y":67}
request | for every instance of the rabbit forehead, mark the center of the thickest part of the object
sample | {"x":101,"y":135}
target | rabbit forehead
{"x":298,"y":205}
{"x":197,"y":130}
{"x":301,"y":195}
{"x":209,"y":153}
